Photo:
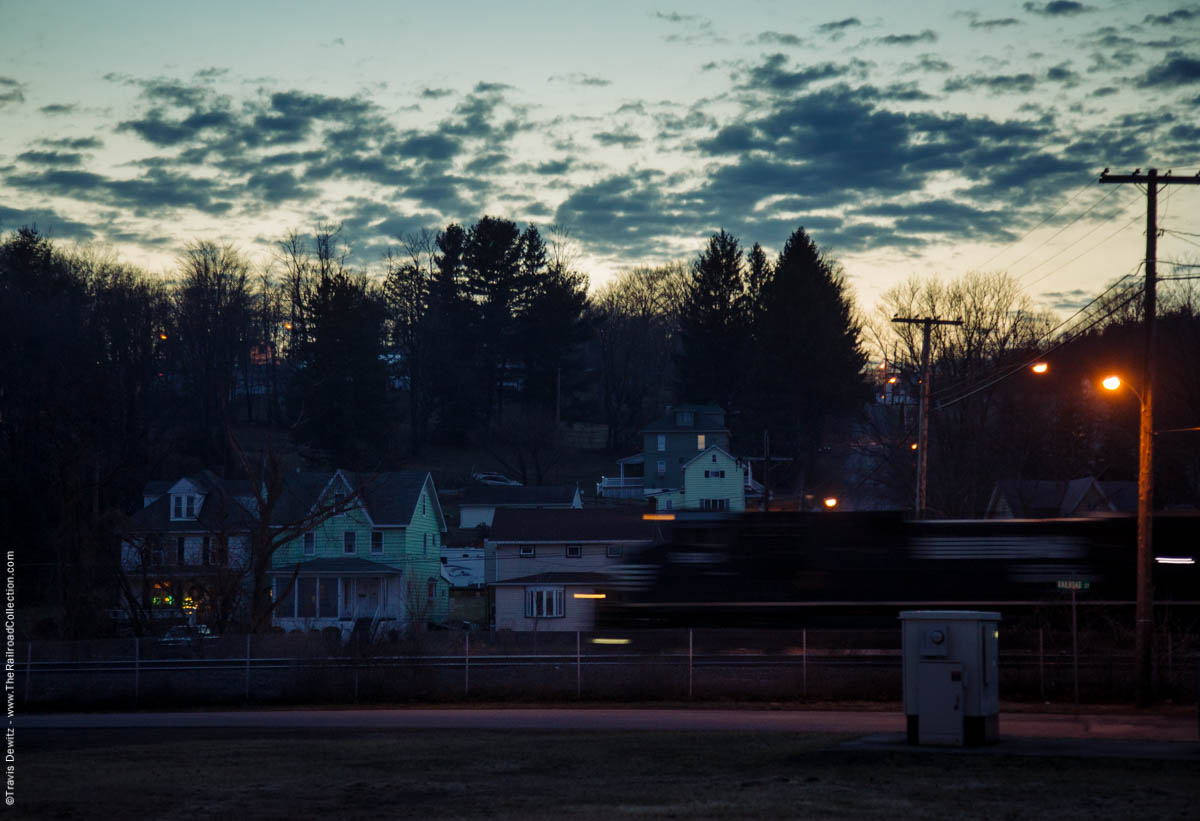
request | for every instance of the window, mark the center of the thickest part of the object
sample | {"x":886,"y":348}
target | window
{"x":222,"y":552}
{"x":176,"y":507}
{"x":661,"y":467}
{"x":699,"y":441}
{"x":685,"y":418}
{"x":327,"y":600}
{"x":349,"y":543}
{"x":285,"y":598}
{"x":339,"y":499}
{"x":205,"y":554}
{"x":544,"y":603}
{"x":714,"y":474}
{"x":158,"y":554}
{"x":306,"y":597}
{"x":310,"y":544}
{"x":376,"y":541}
{"x":714,"y":504}
{"x":190,"y":503}
{"x":432,"y":590}
{"x":527,"y":552}
{"x":574,"y":551}
{"x":422,"y":504}
{"x":424,"y":544}
{"x":180,"y":544}
{"x":662,"y":442}
{"x":613,"y":551}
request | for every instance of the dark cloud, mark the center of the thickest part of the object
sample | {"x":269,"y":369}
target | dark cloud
{"x":59,"y":158}
{"x":431,"y":146}
{"x":577,"y":78}
{"x":932,"y":63}
{"x":945,"y":216}
{"x":996,"y":84}
{"x":10,"y":91}
{"x":625,"y":140}
{"x":435,"y":93}
{"x":628,"y":213}
{"x":173,"y":92}
{"x":1057,"y":8}
{"x":275,"y":187}
{"x":210,"y":73}
{"x":772,"y":75}
{"x":903,"y":93}
{"x":676,"y":17}
{"x":489,"y":163}
{"x":839,"y":26}
{"x":1104,"y":91}
{"x":47,"y":221}
{"x":1062,"y":73}
{"x":997,"y":23}
{"x":75,"y":143}
{"x":778,"y":39}
{"x":1176,"y":16}
{"x":1174,"y":70}
{"x":146,"y":195}
{"x":553,"y":168}
{"x":926,"y":36}
{"x":1068,"y":300}
{"x":58,"y":108}
{"x":491,"y":88}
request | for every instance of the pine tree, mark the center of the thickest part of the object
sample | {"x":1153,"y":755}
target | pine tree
{"x":713,"y":326}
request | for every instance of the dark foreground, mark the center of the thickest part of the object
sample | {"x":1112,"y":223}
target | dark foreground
{"x":462,"y":773}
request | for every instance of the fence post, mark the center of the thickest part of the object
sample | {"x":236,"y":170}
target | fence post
{"x":247,"y":667}
{"x":466,"y":663}
{"x":137,"y":668}
{"x":804,"y":659}
{"x":690,"y":664}
{"x":1042,"y":661}
{"x":578,"y":668}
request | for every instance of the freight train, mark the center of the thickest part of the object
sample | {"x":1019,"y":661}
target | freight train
{"x":860,"y":569}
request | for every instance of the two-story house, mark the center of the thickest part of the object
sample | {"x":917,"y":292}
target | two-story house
{"x":478,"y":505}
{"x":373,"y":567}
{"x":685,"y":463}
{"x":183,"y":554}
{"x":549,"y":569}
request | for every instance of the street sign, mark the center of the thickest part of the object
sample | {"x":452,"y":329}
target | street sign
{"x":1073,"y":584}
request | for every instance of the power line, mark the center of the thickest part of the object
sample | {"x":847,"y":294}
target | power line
{"x":1074,"y":197}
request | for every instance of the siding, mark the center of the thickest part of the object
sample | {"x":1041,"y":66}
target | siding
{"x":578,"y":614}
{"x":731,"y":487}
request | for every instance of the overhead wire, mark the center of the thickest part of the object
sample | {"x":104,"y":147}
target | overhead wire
{"x":1078,"y":192}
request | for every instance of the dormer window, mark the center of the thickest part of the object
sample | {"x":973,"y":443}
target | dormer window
{"x":184,"y":506}
{"x":685,"y":418}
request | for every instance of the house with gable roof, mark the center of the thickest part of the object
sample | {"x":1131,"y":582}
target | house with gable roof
{"x":373,"y":568}
{"x":184,"y":553}
{"x":1044,"y":498}
{"x":685,"y":464}
{"x":478,"y":504}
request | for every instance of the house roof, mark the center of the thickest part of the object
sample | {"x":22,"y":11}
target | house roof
{"x":339,"y":565}
{"x":708,"y":451}
{"x":706,"y":419}
{"x":390,"y":498}
{"x":221,"y":511}
{"x":1041,"y":498}
{"x":558,"y":578}
{"x":498,"y":495}
{"x":589,"y":525}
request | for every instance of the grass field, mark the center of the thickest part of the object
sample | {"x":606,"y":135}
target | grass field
{"x":567,"y":775}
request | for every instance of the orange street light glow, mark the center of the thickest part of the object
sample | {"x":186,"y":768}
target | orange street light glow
{"x":913,"y":446}
{"x":830,"y":502}
{"x":658,"y":517}
{"x":892,"y":381}
{"x":162,"y":336}
{"x":1041,"y":367}
{"x":1111,"y":383}
{"x":610,"y":641}
{"x":589,"y":595}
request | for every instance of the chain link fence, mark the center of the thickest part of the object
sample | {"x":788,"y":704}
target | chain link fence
{"x":1036,"y":664}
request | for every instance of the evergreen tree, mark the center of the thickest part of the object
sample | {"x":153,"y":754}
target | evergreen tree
{"x":713,"y":325}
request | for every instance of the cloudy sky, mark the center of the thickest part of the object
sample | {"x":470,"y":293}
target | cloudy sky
{"x":907,"y":138}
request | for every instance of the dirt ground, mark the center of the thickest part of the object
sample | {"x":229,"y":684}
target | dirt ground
{"x":575,"y":775}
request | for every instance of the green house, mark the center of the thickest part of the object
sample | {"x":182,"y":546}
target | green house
{"x":374,"y":567}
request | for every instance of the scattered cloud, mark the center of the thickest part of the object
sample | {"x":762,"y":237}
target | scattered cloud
{"x":48,"y":222}
{"x":75,"y":143}
{"x":1175,"y":70}
{"x":772,"y":75}
{"x":933,"y":63}
{"x":926,"y":36}
{"x":1057,"y":8}
{"x":59,"y":158}
{"x":996,"y":84}
{"x":578,"y":78}
{"x":1172,"y":17}
{"x":623,"y":139}
{"x":995,"y":23}
{"x":10,"y":91}
{"x":837,"y":28}
{"x":778,"y":38}
{"x":435,"y":93}
{"x":55,"y":109}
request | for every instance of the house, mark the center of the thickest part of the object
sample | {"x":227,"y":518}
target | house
{"x":548,"y":569}
{"x":1040,"y":499}
{"x":712,"y":480}
{"x":668,"y":443}
{"x":373,"y":567}
{"x":479,"y":504}
{"x":184,"y":553}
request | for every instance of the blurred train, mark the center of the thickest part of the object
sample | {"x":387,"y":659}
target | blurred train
{"x":861,"y":569}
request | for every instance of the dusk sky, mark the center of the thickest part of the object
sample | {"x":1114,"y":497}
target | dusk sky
{"x":907,"y":138}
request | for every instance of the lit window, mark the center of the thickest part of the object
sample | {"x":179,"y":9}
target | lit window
{"x":544,"y":603}
{"x":376,"y":541}
{"x":699,"y":441}
{"x":310,"y":544}
{"x":349,"y":543}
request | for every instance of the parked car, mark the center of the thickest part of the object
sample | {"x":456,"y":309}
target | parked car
{"x":185,"y":636}
{"x":495,"y":479}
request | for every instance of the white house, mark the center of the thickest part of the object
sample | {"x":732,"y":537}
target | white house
{"x":713,"y":480}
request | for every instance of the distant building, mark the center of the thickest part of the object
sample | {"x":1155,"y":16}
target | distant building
{"x":1043,"y":499}
{"x":479,"y":504}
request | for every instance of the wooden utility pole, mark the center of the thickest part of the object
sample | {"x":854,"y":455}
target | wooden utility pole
{"x":926,"y":324}
{"x":1144,"y":633}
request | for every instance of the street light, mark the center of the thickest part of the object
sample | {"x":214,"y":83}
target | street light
{"x":830,"y":502}
{"x":1040,"y":367}
{"x":1144,"y":627}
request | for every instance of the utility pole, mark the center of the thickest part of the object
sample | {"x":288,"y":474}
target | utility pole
{"x":926,"y":324}
{"x":1144,"y":633}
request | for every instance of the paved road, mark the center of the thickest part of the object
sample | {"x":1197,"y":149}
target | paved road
{"x":1012,"y":725}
